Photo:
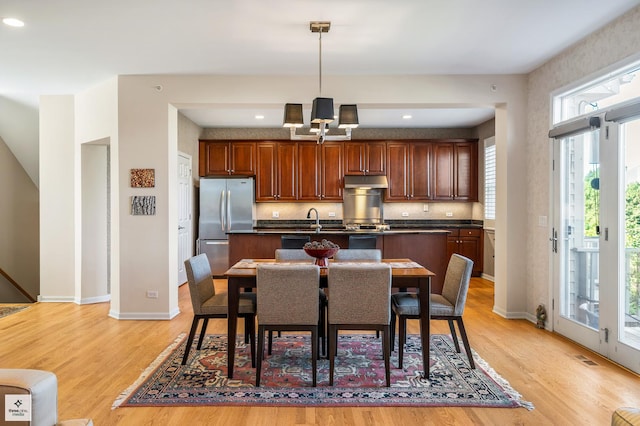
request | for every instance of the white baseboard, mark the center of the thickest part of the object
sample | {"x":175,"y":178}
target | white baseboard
{"x":488,"y":277}
{"x":144,"y":315}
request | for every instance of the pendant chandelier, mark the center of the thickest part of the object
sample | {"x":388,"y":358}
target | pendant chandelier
{"x":322,"y":108}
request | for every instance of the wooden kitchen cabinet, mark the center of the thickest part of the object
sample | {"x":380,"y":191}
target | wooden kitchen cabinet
{"x":225,"y":158}
{"x":408,"y":171}
{"x":469,"y":243}
{"x":365,"y":158}
{"x":455,"y":171}
{"x":320,"y":171}
{"x":276,"y":171}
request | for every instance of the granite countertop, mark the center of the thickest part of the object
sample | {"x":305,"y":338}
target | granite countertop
{"x":336,"y":226}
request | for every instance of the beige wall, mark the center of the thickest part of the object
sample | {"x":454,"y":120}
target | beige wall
{"x":593,"y":55}
{"x":19,"y":213}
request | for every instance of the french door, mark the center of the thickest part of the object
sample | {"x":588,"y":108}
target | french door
{"x":596,"y":237}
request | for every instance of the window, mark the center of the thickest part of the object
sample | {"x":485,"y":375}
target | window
{"x":598,"y":94}
{"x":490,"y":178}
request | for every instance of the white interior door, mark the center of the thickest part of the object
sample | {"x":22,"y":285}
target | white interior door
{"x":185,"y":197}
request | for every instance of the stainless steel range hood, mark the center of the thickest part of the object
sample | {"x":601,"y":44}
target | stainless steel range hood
{"x":373,"y":182}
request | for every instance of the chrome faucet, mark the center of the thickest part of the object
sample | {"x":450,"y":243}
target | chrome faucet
{"x":317,"y":225}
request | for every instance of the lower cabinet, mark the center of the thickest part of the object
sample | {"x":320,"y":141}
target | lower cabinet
{"x":469,"y":243}
{"x":428,"y":249}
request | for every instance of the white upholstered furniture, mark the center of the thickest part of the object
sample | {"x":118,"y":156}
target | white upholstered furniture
{"x":43,"y":388}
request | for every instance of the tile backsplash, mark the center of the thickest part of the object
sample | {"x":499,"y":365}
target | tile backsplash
{"x":392,"y":211}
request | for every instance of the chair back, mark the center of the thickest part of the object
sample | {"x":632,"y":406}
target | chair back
{"x":456,"y":282}
{"x":200,"y":281}
{"x":287,"y":294}
{"x":362,"y":241}
{"x":287,"y":255}
{"x":294,"y":241}
{"x":360,"y":294}
{"x":372,"y":255}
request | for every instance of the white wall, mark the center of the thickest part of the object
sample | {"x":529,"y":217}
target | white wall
{"x":19,"y":130}
{"x":57,"y":199}
{"x":19,"y":229}
{"x":611,"y":44}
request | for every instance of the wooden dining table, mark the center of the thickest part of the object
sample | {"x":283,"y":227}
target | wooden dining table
{"x":405,"y":273}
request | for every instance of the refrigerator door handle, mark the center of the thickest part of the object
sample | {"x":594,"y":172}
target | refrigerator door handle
{"x":229,"y":217}
{"x":223,"y":222}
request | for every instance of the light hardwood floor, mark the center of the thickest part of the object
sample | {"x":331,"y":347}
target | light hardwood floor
{"x":96,"y":357}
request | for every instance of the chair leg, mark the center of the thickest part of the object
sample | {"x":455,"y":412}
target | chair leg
{"x":314,"y":355}
{"x":402,"y":338}
{"x":465,"y":341}
{"x":386,"y":348}
{"x":192,"y":332}
{"x":270,"y":342}
{"x":333,"y":348}
{"x":322,"y":329}
{"x":454,"y":335}
{"x":393,"y":331}
{"x":261,"y":331}
{"x":250,"y":325}
{"x":203,"y":330}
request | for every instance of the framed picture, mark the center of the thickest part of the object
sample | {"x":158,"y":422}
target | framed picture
{"x":143,"y":178}
{"x":143,"y":205}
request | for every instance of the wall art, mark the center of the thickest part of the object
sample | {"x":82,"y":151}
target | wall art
{"x":143,"y":205}
{"x":143,"y":178}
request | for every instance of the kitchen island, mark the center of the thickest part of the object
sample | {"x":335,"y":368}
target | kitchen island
{"x":428,"y":247}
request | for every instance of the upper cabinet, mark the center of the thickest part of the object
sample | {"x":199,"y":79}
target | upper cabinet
{"x":417,"y":170}
{"x":365,"y":158}
{"x":224,"y":158}
{"x":320,"y":171}
{"x":455,"y":171}
{"x":408,"y":171}
{"x":277,"y":168}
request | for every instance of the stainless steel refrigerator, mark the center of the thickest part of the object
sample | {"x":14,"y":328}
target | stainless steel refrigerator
{"x":225,"y":205}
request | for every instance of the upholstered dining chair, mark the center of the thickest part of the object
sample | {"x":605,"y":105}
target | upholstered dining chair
{"x":293,"y":241}
{"x":294,"y":255}
{"x":287,"y":301}
{"x":209,"y":304}
{"x":447,"y":306}
{"x":370,"y":255}
{"x":359,"y":255}
{"x":362,"y":241}
{"x":360,"y":300}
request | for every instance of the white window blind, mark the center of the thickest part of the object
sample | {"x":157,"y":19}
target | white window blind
{"x":490,"y":179}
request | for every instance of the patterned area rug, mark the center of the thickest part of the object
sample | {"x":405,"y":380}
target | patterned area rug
{"x":6,"y":310}
{"x":286,"y":377}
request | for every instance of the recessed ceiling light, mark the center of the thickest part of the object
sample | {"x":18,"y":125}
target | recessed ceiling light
{"x":407,"y":117}
{"x":259,"y":117}
{"x":13,"y":22}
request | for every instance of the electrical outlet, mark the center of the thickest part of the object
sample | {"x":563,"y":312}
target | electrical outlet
{"x":332,"y":214}
{"x":275,"y":214}
{"x":449,"y":214}
{"x":405,"y":214}
{"x":152,"y":294}
{"x":425,"y":207}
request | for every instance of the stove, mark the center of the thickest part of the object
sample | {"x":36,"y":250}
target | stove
{"x":366,"y":227}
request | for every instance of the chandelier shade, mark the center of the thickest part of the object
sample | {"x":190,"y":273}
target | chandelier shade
{"x":322,"y":110}
{"x":348,"y":117}
{"x":293,"y":115}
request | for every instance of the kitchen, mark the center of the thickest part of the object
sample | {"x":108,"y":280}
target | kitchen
{"x":417,"y":224}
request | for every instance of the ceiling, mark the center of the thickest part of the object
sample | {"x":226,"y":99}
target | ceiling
{"x":67,"y":46}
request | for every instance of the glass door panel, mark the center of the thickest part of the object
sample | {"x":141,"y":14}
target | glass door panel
{"x":629,"y":286}
{"x":577,"y":232}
